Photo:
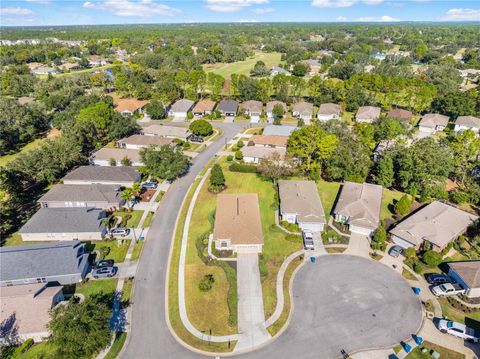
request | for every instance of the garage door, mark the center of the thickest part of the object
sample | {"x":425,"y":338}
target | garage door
{"x":360,"y":230}
{"x":314,"y":227}
{"x":402,"y":243}
{"x":249,"y":248}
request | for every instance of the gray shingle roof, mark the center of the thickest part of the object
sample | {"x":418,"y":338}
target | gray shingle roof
{"x":82,"y":193}
{"x":103,"y":173}
{"x":65,"y":220}
{"x":301,"y":198}
{"x":228,"y":106}
{"x":433,"y":120}
{"x":146,"y":140}
{"x":468,"y":121}
{"x":368,"y":113}
{"x":278,"y":130}
{"x":182,"y":105}
{"x":40,"y":260}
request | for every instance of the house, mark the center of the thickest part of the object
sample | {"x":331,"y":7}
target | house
{"x":279,"y":70}
{"x":400,"y":114}
{"x":381,"y":147}
{"x":253,"y":109}
{"x":70,"y":66}
{"x":129,"y":106}
{"x":228,"y":108}
{"x":329,"y":111}
{"x":431,"y":123}
{"x":359,"y":207}
{"x":87,"y":175}
{"x":203,"y":107}
{"x":464,"y":123}
{"x":45,"y":70}
{"x":271,"y":105}
{"x":179,"y":110}
{"x":301,"y":204}
{"x":26,"y":309}
{"x":238,"y":227}
{"x":467,"y":274}
{"x":166,"y":131}
{"x":253,"y":154}
{"x":95,"y":60}
{"x":439,"y":223}
{"x":87,"y":196}
{"x":278,"y":130}
{"x":367,"y":114}
{"x":106,"y":156}
{"x":303,"y":110}
{"x":314,"y":66}
{"x":137,"y":142}
{"x":59,"y":262}
{"x":268,"y":141}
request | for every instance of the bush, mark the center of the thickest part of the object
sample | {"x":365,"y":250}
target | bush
{"x":411,"y":253}
{"x":201,"y":128}
{"x":189,"y":115}
{"x":229,"y":158}
{"x":417,"y":267}
{"x":459,"y":197}
{"x":26,"y":345}
{"x":104,"y":252}
{"x":206,"y":283}
{"x":239,"y":167}
{"x":403,"y":206}
{"x":432,"y":258}
{"x":240,"y":144}
{"x":238,"y":155}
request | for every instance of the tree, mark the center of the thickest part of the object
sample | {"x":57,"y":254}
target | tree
{"x":379,"y":238}
{"x":80,"y":330}
{"x":112,"y":162}
{"x":164,"y":162}
{"x":465,"y":147}
{"x":342,"y":70}
{"x":432,"y":258}
{"x":126,"y":161}
{"x":278,"y":111}
{"x":201,"y":128}
{"x":155,"y":110}
{"x":260,"y":69}
{"x":403,"y":205}
{"x":276,"y":167}
{"x":388,"y":129}
{"x":127,"y":195}
{"x":366,"y":133}
{"x":300,"y":69}
{"x":385,"y":172}
{"x":238,"y":155}
{"x":217,"y":179}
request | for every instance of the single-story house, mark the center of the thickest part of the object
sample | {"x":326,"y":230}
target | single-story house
{"x":301,"y":204}
{"x":314,"y":66}
{"x":439,"y":223}
{"x":87,"y":175}
{"x":279,"y":70}
{"x":400,"y":114}
{"x":86,"y":196}
{"x":303,"y":110}
{"x":45,"y":70}
{"x":253,"y":109}
{"x":137,"y":142}
{"x":253,"y":154}
{"x":329,"y":111}
{"x":278,"y":130}
{"x":367,"y":114}
{"x":431,"y":123}
{"x":180,"y":109}
{"x":105,"y":155}
{"x":96,"y":60}
{"x":203,"y":107}
{"x":228,"y":108}
{"x":166,"y":131}
{"x":271,"y":105}
{"x":238,"y":225}
{"x":359,"y":207}
{"x":268,"y":141}
{"x":25,"y":309}
{"x":57,"y":262}
{"x":464,"y":123}
{"x":381,"y":147}
{"x":129,"y":106}
{"x":467,"y":274}
{"x":70,"y":66}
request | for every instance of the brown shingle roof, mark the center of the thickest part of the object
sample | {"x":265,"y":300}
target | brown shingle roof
{"x":271,"y":105}
{"x":468,"y":271}
{"x":329,"y":109}
{"x":262,"y":152}
{"x":400,"y":114}
{"x":128,"y":104}
{"x":146,"y":140}
{"x":368,"y":113}
{"x":302,"y":106}
{"x":252,"y":106}
{"x":468,"y":121}
{"x":277,"y":141}
{"x":203,"y":106}
{"x":238,"y":218}
{"x":118,"y":154}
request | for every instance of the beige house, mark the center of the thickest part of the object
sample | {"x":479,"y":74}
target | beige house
{"x":104,"y":157}
{"x":271,"y":105}
{"x":464,"y":123}
{"x":137,"y":142}
{"x":367,"y":114}
{"x":303,"y":110}
{"x":301,"y":204}
{"x":329,"y":111}
{"x":28,"y":308}
{"x":253,"y":109}
{"x":268,"y":141}
{"x":166,"y":131}
{"x":203,"y":107}
{"x":238,"y":226}
{"x":253,"y":154}
{"x":439,"y":223}
{"x":431,"y":123}
{"x":467,"y":274}
{"x":129,"y":106}
{"x":359,"y":207}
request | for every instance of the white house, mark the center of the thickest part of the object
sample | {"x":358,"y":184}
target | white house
{"x":179,"y":110}
{"x":431,"y":123}
{"x":464,"y":123}
{"x":105,"y":156}
{"x":329,"y":111}
{"x":467,"y":274}
{"x":253,"y":109}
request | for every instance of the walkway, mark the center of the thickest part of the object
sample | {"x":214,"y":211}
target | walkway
{"x":251,"y":318}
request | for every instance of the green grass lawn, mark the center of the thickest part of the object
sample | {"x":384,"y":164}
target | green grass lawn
{"x":328,"y":193}
{"x":127,"y":290}
{"x":137,"y":250}
{"x":243,"y":67}
{"x":16,"y":240}
{"x":471,"y":319}
{"x":97,"y":286}
{"x":444,"y":352}
{"x":29,"y":146}
{"x":408,"y":275}
{"x":41,"y":350}
{"x":117,"y":252}
{"x":148,"y":220}
{"x":132,"y":222}
{"x":116,"y":346}
{"x":389,"y":198}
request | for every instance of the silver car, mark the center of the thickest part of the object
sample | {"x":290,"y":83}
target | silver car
{"x":104,"y":272}
{"x":120,"y":232}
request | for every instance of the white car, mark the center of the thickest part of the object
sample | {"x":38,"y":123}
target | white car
{"x":458,"y":330}
{"x":447,"y":289}
{"x":307,"y":239}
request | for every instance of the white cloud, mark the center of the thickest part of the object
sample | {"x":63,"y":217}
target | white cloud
{"x":40,"y":1}
{"x":15,"y":11}
{"x":247,"y":20}
{"x":263,"y":10}
{"x":17,"y":20}
{"x":341,"y":18}
{"x":384,"y":18}
{"x":462,"y":15}
{"x":343,"y":3}
{"x":232,"y":5}
{"x":141,"y":8}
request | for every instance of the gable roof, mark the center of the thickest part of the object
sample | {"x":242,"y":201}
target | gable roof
{"x":301,"y":198}
{"x":279,"y":141}
{"x":368,"y":113}
{"x":438,"y":223}
{"x":128,"y":104}
{"x":468,"y":271}
{"x":279,"y":70}
{"x":400,"y":114}
{"x":237,"y":218}
{"x":228,"y":106}
{"x":204,"y":105}
{"x":312,"y":62}
{"x":182,"y":105}
{"x":271,"y":105}
{"x":252,"y":106}
{"x":329,"y":109}
{"x":82,"y":193}
{"x":262,"y":152}
{"x":433,"y":120}
{"x":146,"y":140}
{"x":468,"y":121}
{"x":103,"y":173}
{"x":361,"y":202}
{"x":278,"y":130}
{"x":117,"y":154}
{"x":163,"y":130}
{"x":302,"y":107}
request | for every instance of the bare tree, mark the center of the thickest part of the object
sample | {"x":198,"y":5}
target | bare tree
{"x":277,"y":166}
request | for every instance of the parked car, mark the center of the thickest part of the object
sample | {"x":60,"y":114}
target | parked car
{"x":447,"y":289}
{"x":105,"y":263}
{"x":193,"y":138}
{"x":395,"y":251}
{"x":120,"y":232}
{"x":307,"y":239}
{"x":149,"y":185}
{"x":105,"y":272}
{"x":458,"y":330}
{"x":437,"y":279}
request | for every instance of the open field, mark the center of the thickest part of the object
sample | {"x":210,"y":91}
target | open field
{"x":243,"y":67}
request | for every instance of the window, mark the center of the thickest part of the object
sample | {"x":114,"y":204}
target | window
{"x":224,"y":244}
{"x":39,"y":280}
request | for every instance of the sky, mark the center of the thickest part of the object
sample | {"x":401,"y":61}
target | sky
{"x":96,"y":12}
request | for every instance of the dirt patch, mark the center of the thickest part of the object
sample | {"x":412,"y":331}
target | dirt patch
{"x":451,"y":185}
{"x":147,"y":195}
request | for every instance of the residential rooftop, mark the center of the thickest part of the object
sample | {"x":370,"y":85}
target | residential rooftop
{"x":433,"y":120}
{"x":166,"y":131}
{"x":278,"y":130}
{"x":368,"y":113}
{"x":271,"y":105}
{"x":469,"y":272}
{"x":252,"y":106}
{"x":301,"y":198}
{"x":103,"y":173}
{"x":400,"y":114}
{"x":269,"y":140}
{"x":117,"y":154}
{"x":82,"y":193}
{"x":262,"y":152}
{"x":182,"y":105}
{"x":145,"y":140}
{"x":128,"y":104}
{"x":329,"y":109}
{"x":204,"y":106}
{"x":468,"y":121}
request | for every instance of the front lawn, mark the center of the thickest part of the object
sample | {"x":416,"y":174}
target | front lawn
{"x":16,"y":240}
{"x":471,"y":319}
{"x":134,"y":219}
{"x":328,"y":193}
{"x":117,"y":251}
{"x":41,"y":350}
{"x":97,"y":286}
{"x":148,"y":220}
{"x":137,"y":250}
{"x":444,"y":352}
{"x":389,"y":198}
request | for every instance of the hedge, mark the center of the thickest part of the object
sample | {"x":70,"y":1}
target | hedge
{"x":239,"y":167}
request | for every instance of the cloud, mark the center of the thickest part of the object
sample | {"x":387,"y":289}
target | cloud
{"x":232,"y":5}
{"x":343,"y":3}
{"x":15,"y":11}
{"x":17,"y":20}
{"x":247,"y":20}
{"x":263,"y":10}
{"x":384,"y":18}
{"x":40,"y":1}
{"x":341,"y":18}
{"x":462,"y":15}
{"x":141,"y":8}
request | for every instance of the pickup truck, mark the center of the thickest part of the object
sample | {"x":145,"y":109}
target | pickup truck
{"x":307,"y":239}
{"x":447,"y":289}
{"x":458,"y":330}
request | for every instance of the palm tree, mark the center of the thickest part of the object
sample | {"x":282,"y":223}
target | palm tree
{"x":127,"y":195}
{"x":136,"y":189}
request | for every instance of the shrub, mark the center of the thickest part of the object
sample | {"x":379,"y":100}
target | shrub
{"x":201,"y":128}
{"x":410,"y":253}
{"x":240,"y":144}
{"x":217,"y":179}
{"x":189,"y":115}
{"x":238,"y":155}
{"x":229,"y":158}
{"x":206,"y":283}
{"x":403,"y":206}
{"x":104,"y":252}
{"x":239,"y":167}
{"x":417,"y":267}
{"x":459,"y":197}
{"x":432,"y":258}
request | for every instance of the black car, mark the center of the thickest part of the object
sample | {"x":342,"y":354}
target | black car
{"x":194,"y":138}
{"x":105,"y":263}
{"x":437,"y":279}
